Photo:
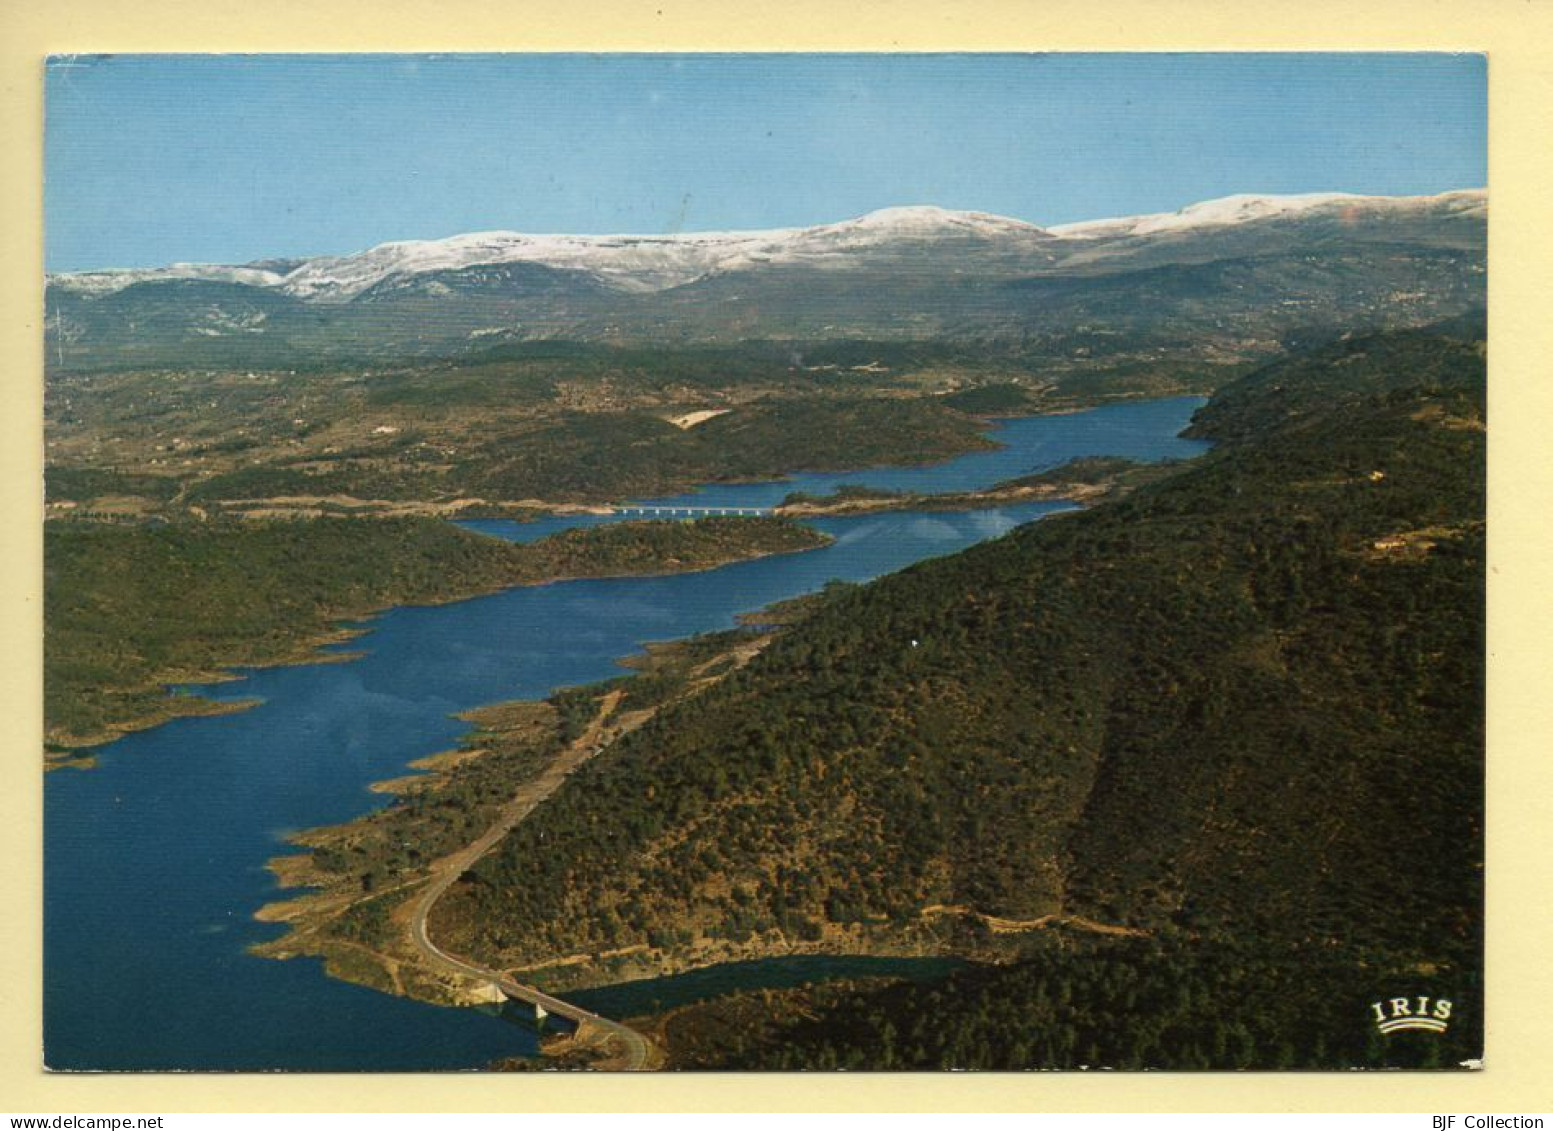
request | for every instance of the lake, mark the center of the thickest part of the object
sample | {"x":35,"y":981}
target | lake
{"x":155,"y":861}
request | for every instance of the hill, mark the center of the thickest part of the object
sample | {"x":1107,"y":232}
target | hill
{"x":1074,"y":1004}
{"x":132,"y":608}
{"x":1243,"y":702}
{"x":1223,"y":279}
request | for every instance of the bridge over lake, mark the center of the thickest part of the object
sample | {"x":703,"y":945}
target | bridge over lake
{"x":691,"y":512}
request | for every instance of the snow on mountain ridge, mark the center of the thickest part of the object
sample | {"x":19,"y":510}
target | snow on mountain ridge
{"x":928,"y":217}
{"x":1246,"y":207}
{"x":640,"y":262}
{"x":644,"y":263}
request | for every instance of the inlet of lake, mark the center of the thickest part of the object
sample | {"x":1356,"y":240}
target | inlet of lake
{"x":155,"y":861}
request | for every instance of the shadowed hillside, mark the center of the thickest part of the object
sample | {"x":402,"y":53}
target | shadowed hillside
{"x":131,"y":609}
{"x":1245,"y":701}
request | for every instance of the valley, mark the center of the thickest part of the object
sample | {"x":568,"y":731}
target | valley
{"x":1111,"y":640}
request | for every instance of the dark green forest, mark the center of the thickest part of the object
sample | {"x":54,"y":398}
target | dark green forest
{"x":589,"y":457}
{"x":1241,"y":703}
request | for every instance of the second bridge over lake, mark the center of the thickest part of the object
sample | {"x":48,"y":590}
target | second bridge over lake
{"x":656,"y":511}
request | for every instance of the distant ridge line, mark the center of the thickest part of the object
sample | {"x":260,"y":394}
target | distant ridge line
{"x":905,"y":222}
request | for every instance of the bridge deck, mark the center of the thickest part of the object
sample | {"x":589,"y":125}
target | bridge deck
{"x":692,"y":512}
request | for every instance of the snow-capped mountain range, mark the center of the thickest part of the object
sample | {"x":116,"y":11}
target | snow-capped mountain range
{"x":644,"y":263}
{"x":1246,"y":208}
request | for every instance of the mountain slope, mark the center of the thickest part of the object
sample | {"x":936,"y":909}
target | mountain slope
{"x":899,"y":273}
{"x":1246,"y":700}
{"x":647,"y":263}
{"x":1125,"y":1004}
{"x":1345,"y":208}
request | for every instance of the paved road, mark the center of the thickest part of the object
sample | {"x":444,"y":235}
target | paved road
{"x":637,"y":1051}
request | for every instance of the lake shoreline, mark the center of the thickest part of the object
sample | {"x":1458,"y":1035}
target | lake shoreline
{"x":319,"y":900}
{"x":333,"y":730}
{"x":307,"y":651}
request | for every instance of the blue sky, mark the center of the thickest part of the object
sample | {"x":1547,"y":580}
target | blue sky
{"x":156,"y":159}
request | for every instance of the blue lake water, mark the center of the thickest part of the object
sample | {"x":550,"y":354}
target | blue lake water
{"x":1143,"y":430}
{"x":154,"y":862}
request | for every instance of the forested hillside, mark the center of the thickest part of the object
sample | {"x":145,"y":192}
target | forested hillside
{"x":132,"y":608}
{"x":1243,"y":702}
{"x":1130,"y":1004}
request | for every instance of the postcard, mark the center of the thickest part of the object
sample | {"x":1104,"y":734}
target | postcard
{"x":765,"y":562}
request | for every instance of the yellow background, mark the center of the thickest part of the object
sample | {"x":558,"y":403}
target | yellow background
{"x":1515,"y":33}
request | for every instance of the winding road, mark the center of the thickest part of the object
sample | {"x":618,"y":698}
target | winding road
{"x":636,"y":1052}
